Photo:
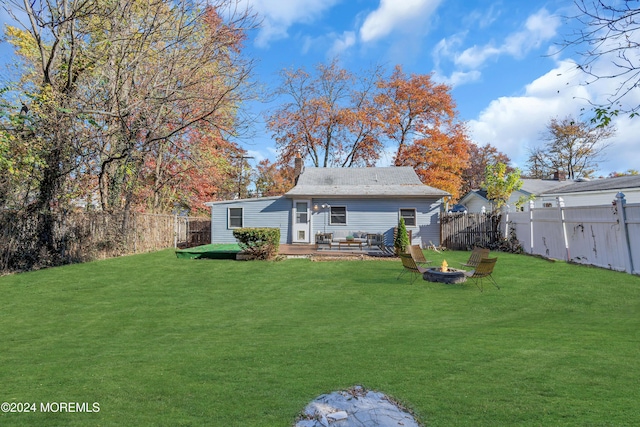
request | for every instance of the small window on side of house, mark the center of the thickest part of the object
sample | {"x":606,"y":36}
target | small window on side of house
{"x":547,"y":205}
{"x":410,"y":217}
{"x":338,"y":215}
{"x":235,"y":217}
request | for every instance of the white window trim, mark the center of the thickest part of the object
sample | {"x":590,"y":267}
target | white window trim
{"x":415,"y":216}
{"x":229,"y":217}
{"x":346,"y":216}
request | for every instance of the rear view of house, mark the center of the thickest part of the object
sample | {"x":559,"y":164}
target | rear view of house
{"x":341,"y":201}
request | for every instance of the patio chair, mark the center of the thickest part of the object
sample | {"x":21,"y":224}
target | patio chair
{"x":476,"y":255}
{"x":323,"y":239}
{"x":375,"y":239}
{"x":409,"y":265}
{"x":418,"y":255}
{"x":483,"y":270}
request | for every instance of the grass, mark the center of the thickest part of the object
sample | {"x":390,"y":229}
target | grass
{"x":161,"y":341}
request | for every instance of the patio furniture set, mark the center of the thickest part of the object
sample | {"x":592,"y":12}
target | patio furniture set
{"x":349,"y":239}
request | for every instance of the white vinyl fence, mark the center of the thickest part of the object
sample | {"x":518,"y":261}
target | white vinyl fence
{"x":602,"y":236}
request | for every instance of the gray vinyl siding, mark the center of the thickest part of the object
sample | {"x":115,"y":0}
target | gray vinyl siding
{"x":267,"y":212}
{"x":381,"y":216}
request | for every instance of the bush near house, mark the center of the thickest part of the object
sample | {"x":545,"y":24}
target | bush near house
{"x":402,"y":238}
{"x":258,"y":243}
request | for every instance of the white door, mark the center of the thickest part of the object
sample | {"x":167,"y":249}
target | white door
{"x":301,"y":221}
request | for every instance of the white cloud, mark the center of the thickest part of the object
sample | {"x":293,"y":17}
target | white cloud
{"x":342,"y":43}
{"x":514,"y":124}
{"x":476,"y":56}
{"x":539,"y":28}
{"x":338,"y":44}
{"x":458,"y":78}
{"x":279,"y":15}
{"x":447,"y":47}
{"x":394,"y":15}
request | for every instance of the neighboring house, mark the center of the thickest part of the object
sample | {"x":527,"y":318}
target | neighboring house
{"x":594,"y":192}
{"x":476,"y":200}
{"x":342,"y":201}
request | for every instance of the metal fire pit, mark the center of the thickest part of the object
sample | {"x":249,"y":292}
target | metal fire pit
{"x":450,"y":276}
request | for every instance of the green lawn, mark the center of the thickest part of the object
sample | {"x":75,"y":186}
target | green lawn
{"x":161,"y":341}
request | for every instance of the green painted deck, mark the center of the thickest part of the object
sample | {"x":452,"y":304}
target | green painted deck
{"x":213,"y":251}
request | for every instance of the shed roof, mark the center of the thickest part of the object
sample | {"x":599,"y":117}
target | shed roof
{"x":362,"y":182}
{"x":605,"y":184}
{"x":538,"y":186}
{"x":529,"y":186}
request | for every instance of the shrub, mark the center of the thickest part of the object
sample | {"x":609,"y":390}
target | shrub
{"x":510,"y":244}
{"x":258,"y":243}
{"x":402,"y":239}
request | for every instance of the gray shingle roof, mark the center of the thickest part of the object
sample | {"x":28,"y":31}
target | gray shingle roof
{"x":605,"y":184}
{"x":538,"y":186}
{"x":363,"y":182}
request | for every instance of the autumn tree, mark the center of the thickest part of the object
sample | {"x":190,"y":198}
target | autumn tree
{"x":328,"y":117}
{"x":479,"y":158}
{"x":607,"y":33}
{"x":572,"y":147}
{"x":212,"y":168}
{"x":112,"y":90}
{"x":419,"y":118}
{"x":273,"y":180}
{"x":500,"y":183}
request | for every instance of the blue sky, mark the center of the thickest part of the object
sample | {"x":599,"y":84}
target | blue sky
{"x":501,"y":59}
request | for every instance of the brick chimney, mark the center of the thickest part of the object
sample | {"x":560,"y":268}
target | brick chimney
{"x":559,"y":176}
{"x":298,"y":166}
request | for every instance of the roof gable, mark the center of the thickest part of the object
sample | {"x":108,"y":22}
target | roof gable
{"x":364,"y":182}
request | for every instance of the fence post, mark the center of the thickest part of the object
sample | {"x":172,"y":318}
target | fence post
{"x":531,"y":208}
{"x":621,"y":205}
{"x":175,"y":230}
{"x":506,"y":221}
{"x":564,"y":227}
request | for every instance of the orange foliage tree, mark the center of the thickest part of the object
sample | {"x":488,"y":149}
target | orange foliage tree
{"x":329,"y":118}
{"x":272,"y":180}
{"x":420,"y":118}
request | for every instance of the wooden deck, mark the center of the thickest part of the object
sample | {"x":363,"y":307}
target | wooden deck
{"x":302,"y":250}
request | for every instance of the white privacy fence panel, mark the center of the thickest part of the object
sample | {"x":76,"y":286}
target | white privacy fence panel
{"x":540,"y":232}
{"x":547,"y":233}
{"x":519,"y":222}
{"x":604,"y":236}
{"x":595,"y":237}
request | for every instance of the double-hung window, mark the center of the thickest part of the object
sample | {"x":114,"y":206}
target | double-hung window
{"x":410,"y":218}
{"x":338,"y":215}
{"x":235,"y":218}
